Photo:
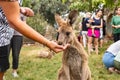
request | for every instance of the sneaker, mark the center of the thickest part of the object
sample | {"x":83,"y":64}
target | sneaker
{"x":15,"y":74}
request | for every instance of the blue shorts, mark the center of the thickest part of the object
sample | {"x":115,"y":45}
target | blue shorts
{"x":108,"y":59}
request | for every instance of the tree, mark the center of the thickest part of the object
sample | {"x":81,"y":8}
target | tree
{"x":49,"y":7}
{"x":27,"y":3}
{"x":86,"y":5}
{"x":80,"y":6}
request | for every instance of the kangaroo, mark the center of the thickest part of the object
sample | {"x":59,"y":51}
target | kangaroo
{"x":74,"y":59}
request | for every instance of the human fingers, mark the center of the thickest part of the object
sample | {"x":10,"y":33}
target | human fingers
{"x":22,"y":10}
{"x":57,"y":50}
{"x":67,"y":45}
{"x":29,"y":12}
{"x":61,"y":48}
{"x":55,"y":47}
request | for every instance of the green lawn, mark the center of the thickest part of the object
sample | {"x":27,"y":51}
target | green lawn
{"x":33,"y":68}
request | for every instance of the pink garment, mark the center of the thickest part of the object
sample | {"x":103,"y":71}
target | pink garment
{"x":96,"y":33}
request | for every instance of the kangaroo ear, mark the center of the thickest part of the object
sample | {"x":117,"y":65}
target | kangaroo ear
{"x":72,"y":16}
{"x":58,"y":19}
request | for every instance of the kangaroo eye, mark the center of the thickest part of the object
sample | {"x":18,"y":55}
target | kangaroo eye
{"x":67,"y":33}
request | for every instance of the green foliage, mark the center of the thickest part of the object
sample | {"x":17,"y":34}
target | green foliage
{"x":37,"y":22}
{"x":49,"y":7}
{"x":46,"y":8}
{"x":64,"y":1}
{"x":33,"y":4}
{"x":33,"y":68}
{"x":90,"y":5}
{"x":95,"y":3}
{"x":111,"y":4}
{"x":80,"y":6}
{"x":27,"y":3}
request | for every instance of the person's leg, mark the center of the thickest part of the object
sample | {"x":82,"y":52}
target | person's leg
{"x":80,"y":38}
{"x":16,"y":47}
{"x":81,"y":41}
{"x":93,"y":32}
{"x":101,"y":38}
{"x":4,"y":60}
{"x":96,"y":45}
{"x":84,"y":38}
{"x":108,"y":61}
{"x":89,"y":44}
{"x":101,"y":42}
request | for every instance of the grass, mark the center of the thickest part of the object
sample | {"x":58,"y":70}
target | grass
{"x":33,"y":68}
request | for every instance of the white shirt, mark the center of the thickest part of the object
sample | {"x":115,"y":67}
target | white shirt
{"x":114,"y":48}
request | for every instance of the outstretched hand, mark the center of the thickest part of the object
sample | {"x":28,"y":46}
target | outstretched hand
{"x":55,"y":47}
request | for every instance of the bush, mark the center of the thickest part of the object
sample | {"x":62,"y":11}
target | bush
{"x":37,"y":22}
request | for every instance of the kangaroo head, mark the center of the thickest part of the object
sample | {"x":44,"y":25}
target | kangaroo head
{"x":65,"y":30}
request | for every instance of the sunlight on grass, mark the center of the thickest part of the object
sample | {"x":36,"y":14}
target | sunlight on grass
{"x":33,"y":68}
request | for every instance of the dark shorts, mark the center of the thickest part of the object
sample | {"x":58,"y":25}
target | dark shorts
{"x":4,"y":58}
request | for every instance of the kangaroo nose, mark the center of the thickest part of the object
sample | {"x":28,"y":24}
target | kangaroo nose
{"x":60,"y":43}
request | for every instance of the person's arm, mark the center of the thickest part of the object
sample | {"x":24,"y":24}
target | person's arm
{"x":12,"y":12}
{"x":114,"y":26}
{"x":88,"y":23}
{"x":118,"y":26}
